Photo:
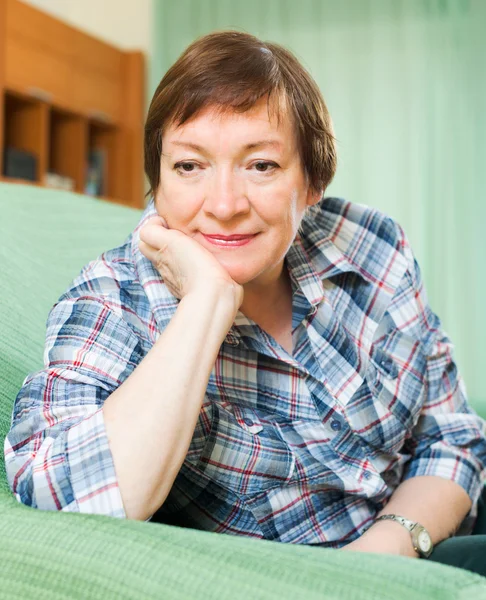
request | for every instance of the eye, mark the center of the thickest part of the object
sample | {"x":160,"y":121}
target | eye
{"x":187,"y":168}
{"x":265,"y":164}
{"x":184,"y":168}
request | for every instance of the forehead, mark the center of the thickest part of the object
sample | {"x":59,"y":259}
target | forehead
{"x":261,"y":118}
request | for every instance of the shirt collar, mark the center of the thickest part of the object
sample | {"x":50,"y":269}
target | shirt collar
{"x":338,"y":239}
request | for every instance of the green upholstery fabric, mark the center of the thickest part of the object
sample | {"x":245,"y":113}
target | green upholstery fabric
{"x":46,"y":237}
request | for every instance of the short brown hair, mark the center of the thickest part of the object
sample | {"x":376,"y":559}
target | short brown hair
{"x":230,"y":71}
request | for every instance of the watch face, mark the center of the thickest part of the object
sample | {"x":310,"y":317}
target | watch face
{"x":424,"y":541}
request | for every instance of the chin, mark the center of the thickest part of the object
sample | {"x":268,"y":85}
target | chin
{"x":240,"y":277}
{"x":250,"y":270}
{"x":239,"y":274}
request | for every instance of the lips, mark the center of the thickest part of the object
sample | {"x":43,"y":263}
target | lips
{"x":229,"y":241}
{"x":228,"y":238}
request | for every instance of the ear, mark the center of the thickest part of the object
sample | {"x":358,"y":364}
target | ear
{"x":313,"y":196}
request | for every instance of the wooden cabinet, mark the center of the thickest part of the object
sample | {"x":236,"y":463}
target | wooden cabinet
{"x":65,"y":93}
{"x":97,"y":80}
{"x":37,"y":57}
{"x":68,"y":130}
{"x":25,"y":127}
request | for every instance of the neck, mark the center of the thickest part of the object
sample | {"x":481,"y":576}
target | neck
{"x":263,"y":300}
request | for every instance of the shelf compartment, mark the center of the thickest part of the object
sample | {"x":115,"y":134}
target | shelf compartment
{"x":25,"y":128}
{"x":105,"y":140}
{"x":68,"y":142}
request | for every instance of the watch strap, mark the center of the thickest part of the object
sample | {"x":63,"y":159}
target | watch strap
{"x":402,"y":520}
{"x":413,"y":528}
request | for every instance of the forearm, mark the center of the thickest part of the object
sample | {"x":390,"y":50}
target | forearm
{"x":436,"y":503}
{"x":150,"y":418}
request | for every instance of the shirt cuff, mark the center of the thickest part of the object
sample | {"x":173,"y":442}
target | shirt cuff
{"x":91,"y":468}
{"x":454,"y":464}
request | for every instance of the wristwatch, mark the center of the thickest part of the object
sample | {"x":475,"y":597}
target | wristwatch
{"x":421,"y":540}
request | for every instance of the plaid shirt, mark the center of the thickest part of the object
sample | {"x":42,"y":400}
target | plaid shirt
{"x":304,"y":449}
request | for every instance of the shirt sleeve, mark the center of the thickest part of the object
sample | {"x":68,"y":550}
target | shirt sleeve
{"x":57,"y":454}
{"x":449,"y":438}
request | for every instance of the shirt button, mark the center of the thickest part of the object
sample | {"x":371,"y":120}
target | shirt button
{"x":390,"y":367}
{"x":248,"y":422}
{"x":367,"y":475}
{"x":335,"y":425}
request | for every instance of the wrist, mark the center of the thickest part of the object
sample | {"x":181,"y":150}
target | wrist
{"x":392,"y":537}
{"x":214,"y":306}
{"x":225,"y":296}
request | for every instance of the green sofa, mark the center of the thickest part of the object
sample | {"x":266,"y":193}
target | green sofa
{"x":46,"y":237}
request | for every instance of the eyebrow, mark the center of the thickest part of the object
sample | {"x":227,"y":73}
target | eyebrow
{"x":251,"y":146}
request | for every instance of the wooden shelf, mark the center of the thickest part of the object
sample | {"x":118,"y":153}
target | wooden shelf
{"x":65,"y":94}
{"x":68,"y":146}
{"x":102,"y":138}
{"x":25,"y":128}
{"x":22,"y":181}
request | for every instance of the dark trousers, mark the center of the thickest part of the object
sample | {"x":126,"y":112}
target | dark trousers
{"x":466,"y":551}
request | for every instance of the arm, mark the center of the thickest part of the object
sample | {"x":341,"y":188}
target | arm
{"x":436,"y":503}
{"x":443,"y":479}
{"x":57,"y":455}
{"x":149,"y":443}
{"x":76,"y":429}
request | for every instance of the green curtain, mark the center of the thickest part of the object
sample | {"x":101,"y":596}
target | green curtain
{"x":405,"y":83}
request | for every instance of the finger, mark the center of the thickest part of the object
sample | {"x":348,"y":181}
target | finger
{"x":155,"y":220}
{"x":153,"y":234}
{"x":148,"y":251}
{"x":158,"y":219}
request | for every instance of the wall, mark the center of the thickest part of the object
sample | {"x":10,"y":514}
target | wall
{"x":124,"y":23}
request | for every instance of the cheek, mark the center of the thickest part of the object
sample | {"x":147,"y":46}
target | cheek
{"x":286,"y":213}
{"x":294,"y":211}
{"x":176,"y":202}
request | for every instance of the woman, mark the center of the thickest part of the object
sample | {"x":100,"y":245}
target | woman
{"x":255,"y":359}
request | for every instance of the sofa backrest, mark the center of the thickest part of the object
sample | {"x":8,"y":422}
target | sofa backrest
{"x":46,"y":237}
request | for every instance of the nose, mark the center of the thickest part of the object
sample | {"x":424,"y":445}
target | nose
{"x":225,"y":197}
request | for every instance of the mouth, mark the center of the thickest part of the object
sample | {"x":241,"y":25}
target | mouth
{"x":229,"y":241}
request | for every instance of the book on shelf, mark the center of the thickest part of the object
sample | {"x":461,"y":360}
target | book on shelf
{"x":95,"y":177}
{"x":19,"y":164}
{"x":61,"y":182}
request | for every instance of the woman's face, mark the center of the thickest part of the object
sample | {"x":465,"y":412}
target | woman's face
{"x":244,"y":177}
